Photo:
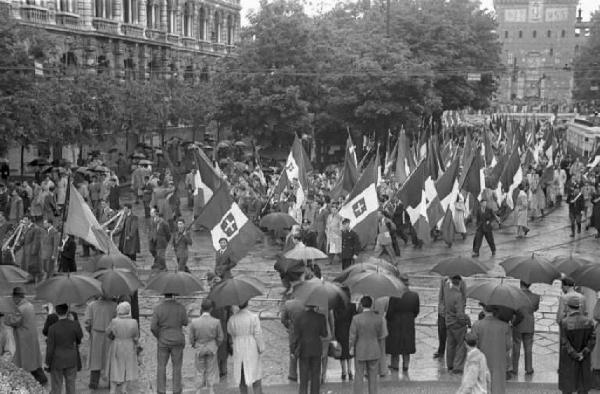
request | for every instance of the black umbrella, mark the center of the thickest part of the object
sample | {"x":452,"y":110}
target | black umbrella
{"x":38,"y":162}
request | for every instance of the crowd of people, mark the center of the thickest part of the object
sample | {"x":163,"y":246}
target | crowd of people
{"x":486,"y":352}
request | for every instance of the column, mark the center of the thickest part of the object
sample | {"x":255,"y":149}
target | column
{"x":117,"y":11}
{"x":142,"y":12}
{"x":163,"y":15}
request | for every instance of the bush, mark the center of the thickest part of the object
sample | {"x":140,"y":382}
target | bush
{"x":15,"y":380}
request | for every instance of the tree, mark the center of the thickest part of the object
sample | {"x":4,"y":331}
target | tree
{"x":587,"y":65}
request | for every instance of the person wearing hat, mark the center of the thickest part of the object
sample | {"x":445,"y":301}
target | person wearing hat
{"x":222,"y":314}
{"x":309,"y":329}
{"x":568,"y":289}
{"x":28,"y":355}
{"x":122,"y":362}
{"x":400,"y":316}
{"x":7,"y":341}
{"x":577,"y":340}
{"x":62,"y":354}
{"x":456,"y":321}
{"x":98,"y":316}
{"x":206,"y":334}
{"x":223,"y":260}
{"x":484,"y":218}
{"x":523,"y":330}
{"x":476,"y":379}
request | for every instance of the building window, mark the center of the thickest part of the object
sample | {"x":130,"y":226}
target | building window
{"x":216,"y":33}
{"x":130,"y":11}
{"x":510,"y":58}
{"x":534,"y":34}
{"x":520,"y":33}
{"x":551,"y":52}
{"x":104,"y":9}
{"x":188,"y":74}
{"x":202,"y":24}
{"x":66,"y":6}
{"x":229,"y":30}
{"x":506,"y":34}
{"x":170,"y":17}
{"x":549,"y":33}
{"x":103,"y":64}
{"x":129,"y":67}
{"x":576,"y":50}
{"x":149,"y":16}
{"x":188,"y":20}
{"x":563,"y":34}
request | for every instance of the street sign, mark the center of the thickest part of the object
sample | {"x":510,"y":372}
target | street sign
{"x":594,"y":88}
{"x":474,"y":77}
{"x":38,"y":69}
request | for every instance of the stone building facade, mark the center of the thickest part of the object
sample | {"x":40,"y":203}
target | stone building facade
{"x":540,"y":40}
{"x":135,"y":38}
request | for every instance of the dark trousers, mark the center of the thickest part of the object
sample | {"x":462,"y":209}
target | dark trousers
{"x":489,"y":237}
{"x":395,"y":361}
{"x":441,"y":325}
{"x":310,"y":370}
{"x":346,"y":263}
{"x":57,"y":376}
{"x":163,"y":355}
{"x":256,"y":386}
{"x":575,"y":219}
{"x":456,"y":351}
{"x":527,"y":340}
{"x":94,"y":379}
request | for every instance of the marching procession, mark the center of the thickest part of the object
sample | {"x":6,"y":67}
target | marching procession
{"x":504,"y":173}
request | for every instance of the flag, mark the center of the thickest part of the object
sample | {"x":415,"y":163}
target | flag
{"x":226,"y":220}
{"x":390,"y":160}
{"x":349,"y":175}
{"x":413,"y":196}
{"x":81,"y":222}
{"x":511,"y":178}
{"x":488,"y":153}
{"x":206,"y":179}
{"x":402,"y":159}
{"x":297,"y":166}
{"x":473,"y":178}
{"x":361,"y":208}
{"x":443,"y":193}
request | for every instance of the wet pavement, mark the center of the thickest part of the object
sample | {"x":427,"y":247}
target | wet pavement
{"x":549,"y":237}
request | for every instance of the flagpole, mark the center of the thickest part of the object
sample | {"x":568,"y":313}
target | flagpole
{"x":65,"y":214}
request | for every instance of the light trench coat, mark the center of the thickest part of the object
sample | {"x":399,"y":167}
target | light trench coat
{"x":28,"y":355}
{"x":333,"y":230}
{"x":248,"y":345}
{"x":98,"y":316}
{"x":122,"y":361}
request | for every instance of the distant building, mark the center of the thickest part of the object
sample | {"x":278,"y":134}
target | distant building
{"x":540,"y":40}
{"x":135,"y":38}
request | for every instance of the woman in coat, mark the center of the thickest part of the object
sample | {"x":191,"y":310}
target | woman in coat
{"x":521,"y":210}
{"x":400,"y":316}
{"x":248,"y":346}
{"x":595,"y":356}
{"x":459,"y":216}
{"x":342,"y":316}
{"x":121,"y":360}
{"x":333,"y":231}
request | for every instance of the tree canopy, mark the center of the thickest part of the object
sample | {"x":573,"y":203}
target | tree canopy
{"x":587,"y":65}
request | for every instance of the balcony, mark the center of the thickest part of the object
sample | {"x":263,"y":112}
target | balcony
{"x":156,"y":35}
{"x":173,"y":38}
{"x":204,"y":45}
{"x":218,"y":47}
{"x":230,"y":48}
{"x":189,"y":42}
{"x":35,"y":14}
{"x":67,"y":19}
{"x":132,"y":30}
{"x":106,"y":25}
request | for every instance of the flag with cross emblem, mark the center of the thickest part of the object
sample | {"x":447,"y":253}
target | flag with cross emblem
{"x":225,"y":219}
{"x":362,"y":205}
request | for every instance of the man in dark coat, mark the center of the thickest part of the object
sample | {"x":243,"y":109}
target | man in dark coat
{"x":310,"y":328}
{"x":290,"y":310}
{"x":485,"y":216}
{"x":159,"y":234}
{"x":223,"y":261}
{"x":67,"y":255}
{"x":320,"y":223}
{"x":523,"y":331}
{"x":577,"y":340}
{"x":576,"y":207}
{"x":129,"y":235}
{"x":181,"y":243}
{"x":32,"y":247}
{"x":401,"y":314}
{"x":350,"y":244}
{"x":62,"y":356}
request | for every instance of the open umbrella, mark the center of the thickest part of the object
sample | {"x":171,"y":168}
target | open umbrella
{"x":304,"y":253}
{"x":113,"y":260}
{"x":38,"y":162}
{"x":530,"y":269}
{"x":240,"y":144}
{"x":179,"y":283}
{"x":145,"y":162}
{"x":459,"y":265}
{"x":277,"y":221}
{"x":498,"y":293}
{"x":68,"y":289}
{"x":284,"y":266}
{"x":12,"y":274}
{"x":100,"y":169}
{"x":236,"y":291}
{"x":568,"y":264}
{"x":368,"y":265}
{"x":588,"y":276}
{"x":118,"y":281}
{"x":138,"y":155}
{"x":7,"y":305}
{"x":376,"y":284}
{"x":324,"y":294}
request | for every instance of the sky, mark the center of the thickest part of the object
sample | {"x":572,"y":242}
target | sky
{"x":588,"y":6}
